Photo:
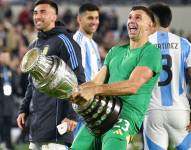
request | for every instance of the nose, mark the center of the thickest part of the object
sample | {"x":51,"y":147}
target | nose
{"x":95,"y":21}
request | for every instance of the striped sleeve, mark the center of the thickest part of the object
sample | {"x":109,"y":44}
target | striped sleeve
{"x":71,"y":51}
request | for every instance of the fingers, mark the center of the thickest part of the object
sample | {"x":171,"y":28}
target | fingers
{"x":188,"y":128}
{"x":65,"y":120}
{"x":70,"y":124}
{"x":21,"y":121}
{"x":77,"y":98}
{"x":74,"y":95}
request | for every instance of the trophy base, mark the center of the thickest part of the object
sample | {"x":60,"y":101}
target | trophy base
{"x":101,"y":114}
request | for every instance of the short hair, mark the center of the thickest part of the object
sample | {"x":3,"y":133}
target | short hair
{"x":88,"y":7}
{"x":146,"y":10}
{"x":49,"y":2}
{"x":163,"y":12}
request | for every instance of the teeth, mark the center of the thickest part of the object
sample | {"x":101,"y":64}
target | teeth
{"x":133,"y":30}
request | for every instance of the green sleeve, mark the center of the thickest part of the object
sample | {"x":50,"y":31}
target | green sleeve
{"x":151,"y":57}
{"x":108,"y":57}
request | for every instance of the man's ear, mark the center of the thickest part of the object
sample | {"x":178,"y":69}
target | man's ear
{"x":151,"y":27}
{"x":147,"y":27}
{"x":78,"y":19}
{"x":54,"y":18}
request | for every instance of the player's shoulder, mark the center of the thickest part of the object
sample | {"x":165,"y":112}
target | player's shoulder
{"x":162,"y":35}
{"x":185,"y":41}
{"x":151,"y":49}
{"x":79,"y":37}
{"x":117,"y":48}
{"x":182,"y":39}
{"x":151,"y":46}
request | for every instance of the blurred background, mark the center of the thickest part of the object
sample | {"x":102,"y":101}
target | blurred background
{"x":17,"y":31}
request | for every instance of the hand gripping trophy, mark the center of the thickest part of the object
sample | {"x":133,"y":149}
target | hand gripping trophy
{"x":52,"y":76}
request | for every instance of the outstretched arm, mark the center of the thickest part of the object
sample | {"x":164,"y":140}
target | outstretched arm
{"x":98,"y":80}
{"x":139,"y":76}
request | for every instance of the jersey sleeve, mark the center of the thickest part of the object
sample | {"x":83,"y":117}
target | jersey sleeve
{"x":70,"y":52}
{"x":186,"y":48}
{"x":151,"y":57}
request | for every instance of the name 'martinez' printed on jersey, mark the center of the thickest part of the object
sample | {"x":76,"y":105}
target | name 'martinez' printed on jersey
{"x":167,"y":45}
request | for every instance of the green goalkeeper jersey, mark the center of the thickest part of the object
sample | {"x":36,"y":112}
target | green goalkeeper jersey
{"x":120,"y":62}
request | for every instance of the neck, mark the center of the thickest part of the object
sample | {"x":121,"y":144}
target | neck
{"x":89,"y":36}
{"x":138,"y":43}
{"x":162,"y":29}
{"x":49,"y":28}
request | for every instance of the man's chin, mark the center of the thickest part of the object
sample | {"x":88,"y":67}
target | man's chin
{"x":38,"y":28}
{"x":132,"y":36}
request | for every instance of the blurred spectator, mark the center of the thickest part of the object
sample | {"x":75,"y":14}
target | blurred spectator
{"x":69,"y":20}
{"x":6,"y":83}
{"x":124,"y":38}
{"x":68,"y":16}
{"x":113,"y":19}
{"x":13,"y":45}
{"x":28,"y":31}
{"x":25,"y":14}
{"x":103,"y":52}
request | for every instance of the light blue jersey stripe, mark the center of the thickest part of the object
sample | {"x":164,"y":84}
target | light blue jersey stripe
{"x":181,"y":77}
{"x":186,"y":143}
{"x":185,"y":49}
{"x":166,"y":95}
{"x":88,"y":68}
{"x":151,"y":145}
{"x":70,"y":49}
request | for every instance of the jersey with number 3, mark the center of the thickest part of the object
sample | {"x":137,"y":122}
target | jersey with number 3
{"x":170,"y":92}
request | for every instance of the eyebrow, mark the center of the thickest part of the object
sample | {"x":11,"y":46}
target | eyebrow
{"x":41,"y":10}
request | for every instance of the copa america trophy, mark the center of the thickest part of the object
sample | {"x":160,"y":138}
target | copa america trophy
{"x":52,"y":76}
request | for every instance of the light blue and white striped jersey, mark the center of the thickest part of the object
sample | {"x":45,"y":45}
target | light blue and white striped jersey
{"x":90,"y":55}
{"x":170,"y":92}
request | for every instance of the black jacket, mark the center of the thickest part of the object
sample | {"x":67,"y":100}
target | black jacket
{"x":47,"y":112}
